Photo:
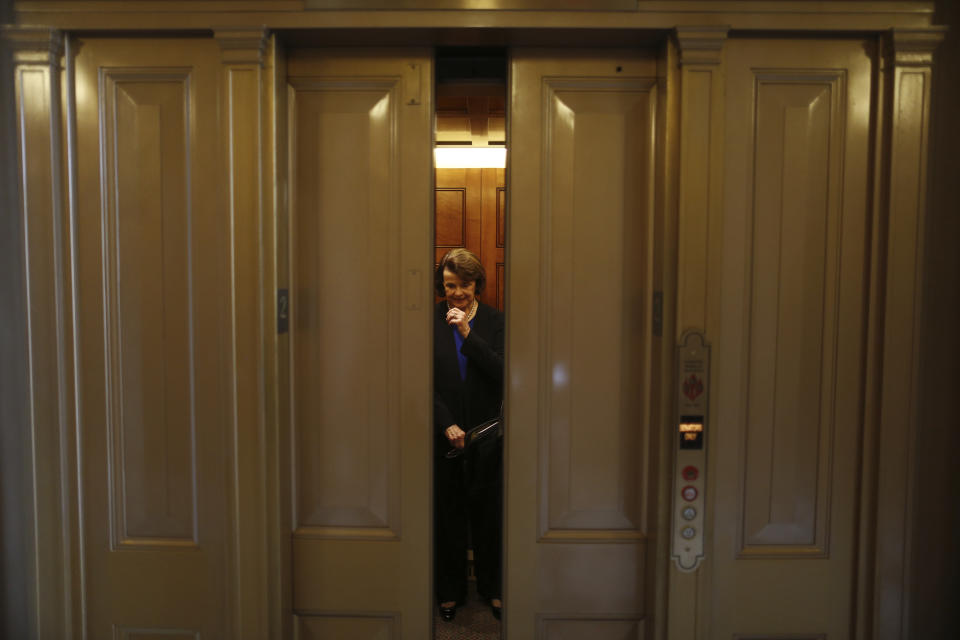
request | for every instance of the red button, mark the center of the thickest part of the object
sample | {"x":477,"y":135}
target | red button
{"x":690,"y":473}
{"x":689,"y":493}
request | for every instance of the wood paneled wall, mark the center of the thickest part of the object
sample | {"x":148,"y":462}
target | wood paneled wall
{"x":470,"y":211}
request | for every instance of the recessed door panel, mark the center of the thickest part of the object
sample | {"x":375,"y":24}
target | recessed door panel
{"x":346,"y":410}
{"x":360,"y":238}
{"x":152,"y":429}
{"x":581,"y":180}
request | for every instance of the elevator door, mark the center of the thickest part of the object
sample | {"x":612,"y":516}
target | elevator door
{"x":789,"y":366}
{"x":579,"y":343}
{"x":153,"y":341}
{"x":360,"y":278}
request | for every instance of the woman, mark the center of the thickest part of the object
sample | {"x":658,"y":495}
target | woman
{"x":468,"y":390}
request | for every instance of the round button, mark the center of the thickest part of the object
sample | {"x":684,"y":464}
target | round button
{"x":689,"y":513}
{"x":690,"y":473}
{"x":689,"y":493}
{"x":688,"y":532}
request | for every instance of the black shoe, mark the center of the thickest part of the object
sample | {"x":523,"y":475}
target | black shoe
{"x":448,"y":613}
{"x":496,"y":611}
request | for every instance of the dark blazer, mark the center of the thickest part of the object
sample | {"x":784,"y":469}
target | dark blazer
{"x":468,"y":402}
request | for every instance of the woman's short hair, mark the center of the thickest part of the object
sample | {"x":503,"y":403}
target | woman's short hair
{"x":465,"y":265}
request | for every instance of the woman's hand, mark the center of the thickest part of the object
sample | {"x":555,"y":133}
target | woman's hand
{"x":457,"y":318}
{"x":455,"y":435}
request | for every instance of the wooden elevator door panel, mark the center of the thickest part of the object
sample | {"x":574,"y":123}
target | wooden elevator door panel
{"x":785,"y":460}
{"x":359,"y":136}
{"x":579,"y":344}
{"x":153,"y":332}
{"x":471,"y":213}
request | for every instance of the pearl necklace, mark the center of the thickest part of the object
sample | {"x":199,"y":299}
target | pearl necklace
{"x":473,"y":309}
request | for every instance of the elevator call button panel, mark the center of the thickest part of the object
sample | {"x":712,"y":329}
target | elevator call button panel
{"x":690,"y":451}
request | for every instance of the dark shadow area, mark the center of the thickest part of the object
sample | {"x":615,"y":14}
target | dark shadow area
{"x":935,"y":554}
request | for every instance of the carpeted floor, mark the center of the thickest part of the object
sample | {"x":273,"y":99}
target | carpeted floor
{"x":474,"y":621}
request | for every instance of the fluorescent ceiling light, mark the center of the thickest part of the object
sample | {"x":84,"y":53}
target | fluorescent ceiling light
{"x":470,"y":158}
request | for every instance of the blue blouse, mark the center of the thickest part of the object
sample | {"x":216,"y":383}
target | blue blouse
{"x":461,"y":359}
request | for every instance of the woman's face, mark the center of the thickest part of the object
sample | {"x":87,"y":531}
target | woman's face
{"x":460,"y":294}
